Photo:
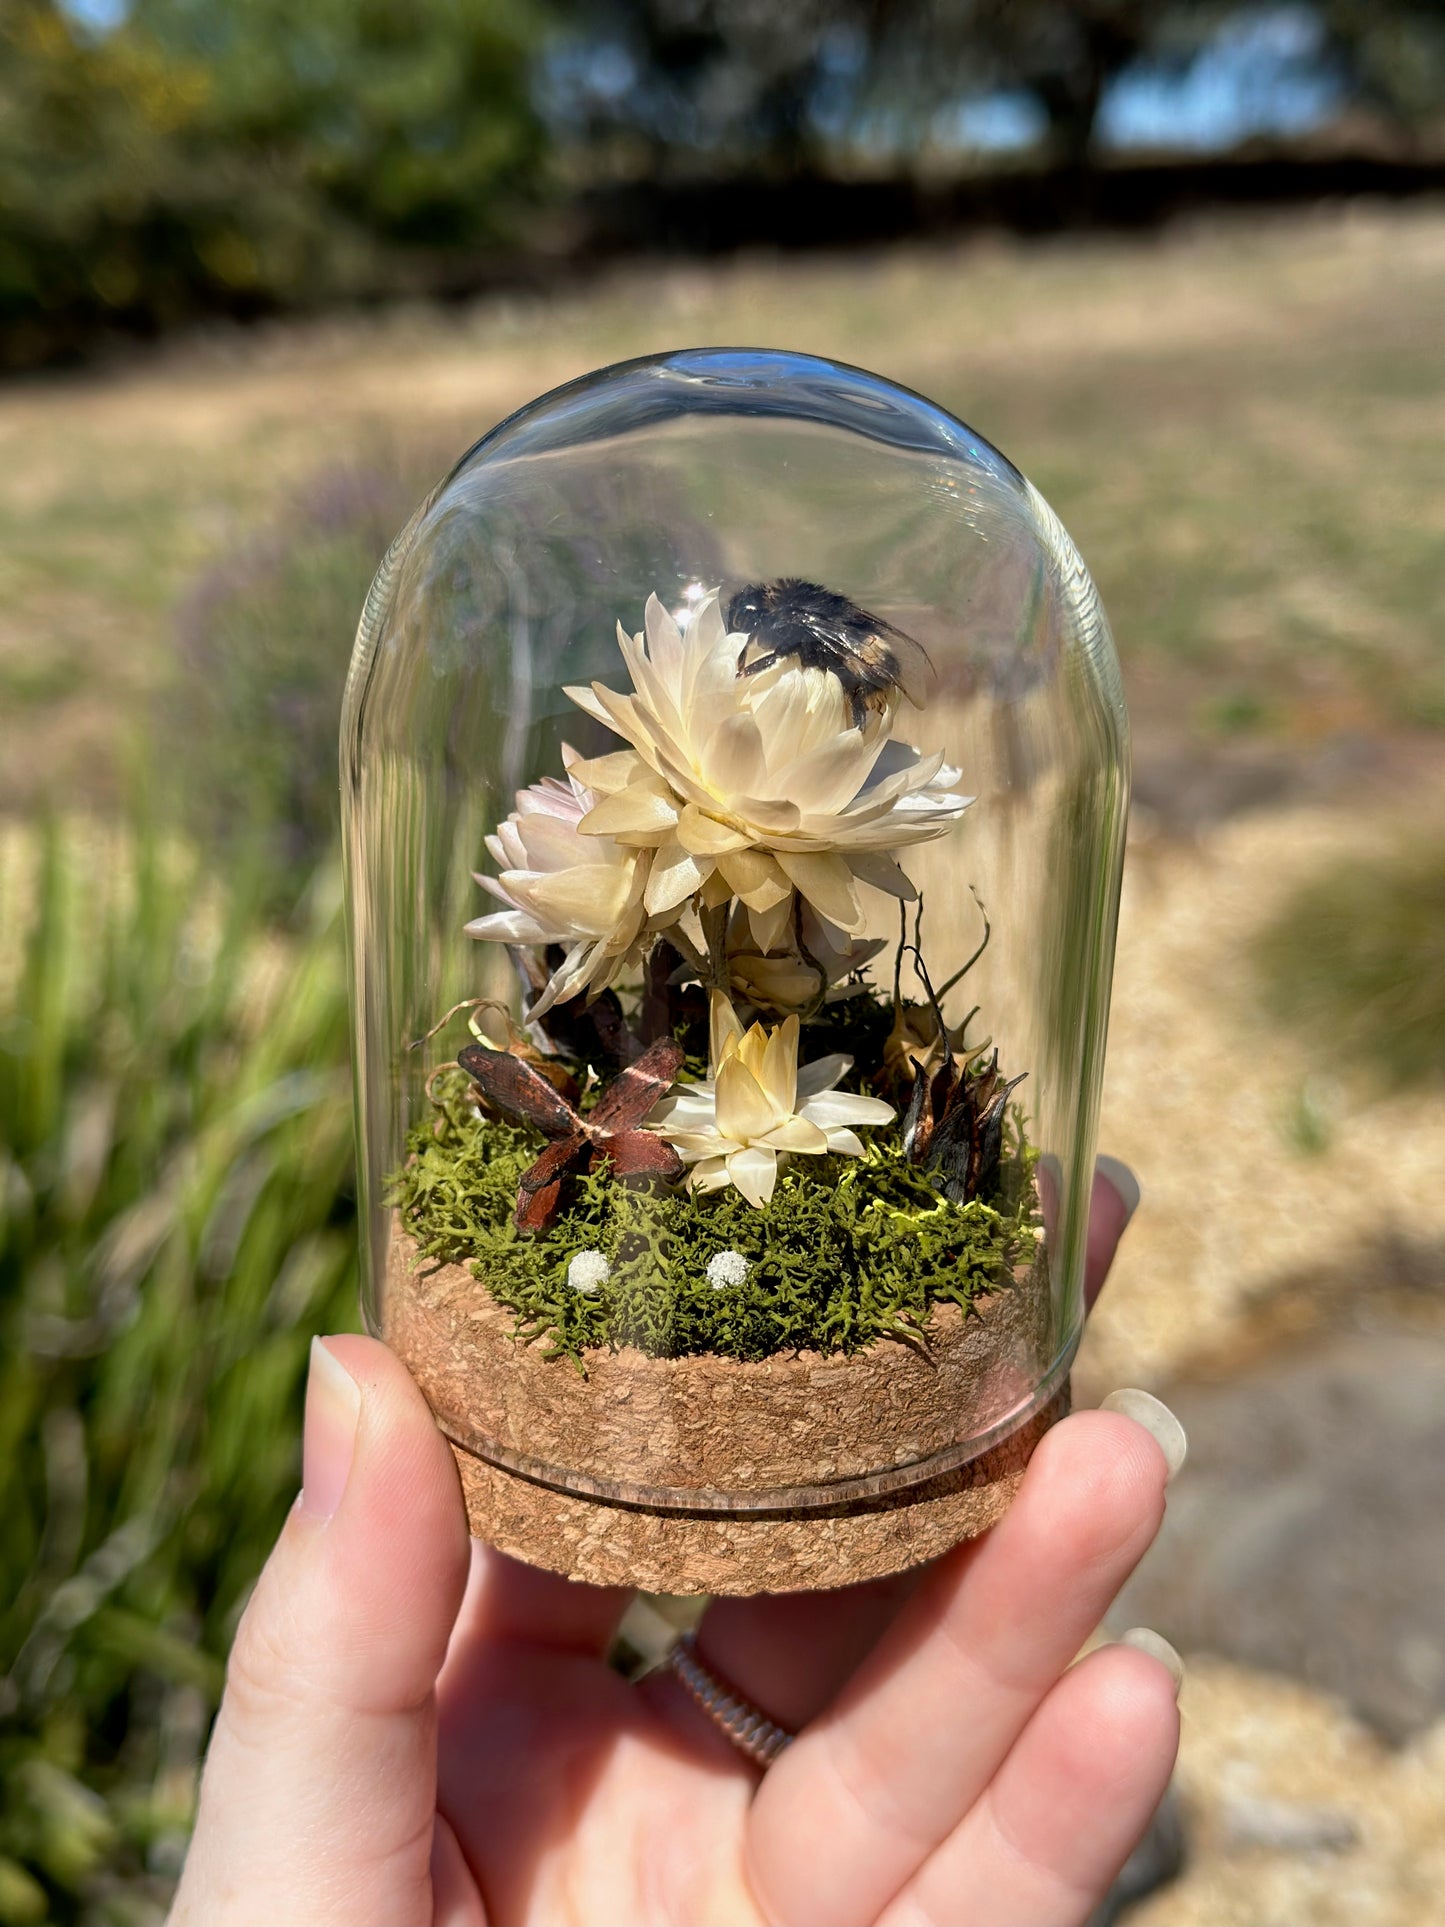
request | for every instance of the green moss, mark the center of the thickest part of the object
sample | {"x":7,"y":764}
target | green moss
{"x":850,"y":1250}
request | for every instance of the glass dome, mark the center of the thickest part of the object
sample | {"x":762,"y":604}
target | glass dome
{"x":734,"y":773}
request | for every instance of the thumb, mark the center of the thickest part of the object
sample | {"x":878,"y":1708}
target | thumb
{"x":319,"y":1795}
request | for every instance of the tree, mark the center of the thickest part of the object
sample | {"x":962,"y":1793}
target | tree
{"x":249,"y":154}
{"x":730,"y":83}
{"x":783,"y":87}
{"x":1394,"y":51}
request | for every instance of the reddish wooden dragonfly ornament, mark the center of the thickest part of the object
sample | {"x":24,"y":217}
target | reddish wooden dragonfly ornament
{"x":611,"y":1131}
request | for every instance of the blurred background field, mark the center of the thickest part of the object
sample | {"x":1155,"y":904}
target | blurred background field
{"x":1238,"y":415}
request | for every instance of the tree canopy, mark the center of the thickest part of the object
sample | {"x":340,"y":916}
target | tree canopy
{"x":245,"y":154}
{"x":190,"y":156}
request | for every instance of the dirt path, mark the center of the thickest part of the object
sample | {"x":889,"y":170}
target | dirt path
{"x":1255,"y":1162}
{"x":1279,"y":1203}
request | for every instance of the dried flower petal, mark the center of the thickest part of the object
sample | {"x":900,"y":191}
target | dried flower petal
{"x":559,"y":886}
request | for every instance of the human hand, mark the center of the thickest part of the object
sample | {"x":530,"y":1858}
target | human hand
{"x":416,"y":1731}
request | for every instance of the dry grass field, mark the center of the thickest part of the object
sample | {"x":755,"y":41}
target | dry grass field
{"x":1240,"y":426}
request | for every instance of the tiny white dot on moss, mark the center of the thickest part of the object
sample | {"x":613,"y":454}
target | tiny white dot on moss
{"x":588,"y":1270}
{"x":726,"y":1268}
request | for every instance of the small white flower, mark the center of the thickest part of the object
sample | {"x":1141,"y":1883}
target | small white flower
{"x":588,"y":1270}
{"x":757,"y":1106}
{"x":726,"y":1268}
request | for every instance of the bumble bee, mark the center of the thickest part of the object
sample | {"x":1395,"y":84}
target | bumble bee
{"x":820,"y":629}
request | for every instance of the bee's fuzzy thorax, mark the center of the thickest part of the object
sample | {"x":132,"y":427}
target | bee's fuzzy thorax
{"x":791,"y":620}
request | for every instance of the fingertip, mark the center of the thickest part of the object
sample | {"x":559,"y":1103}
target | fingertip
{"x":1143,"y":1639}
{"x":1122,"y":1180}
{"x":1101,"y":1447}
{"x":374,"y":1366}
{"x":1113,"y":1200}
{"x":1155,"y":1418}
{"x":1097,"y":1479}
{"x":407,"y":1475}
{"x":1126,"y":1709}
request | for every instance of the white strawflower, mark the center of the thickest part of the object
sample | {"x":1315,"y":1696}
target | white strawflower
{"x":559,"y":886}
{"x":756,"y":1106}
{"x":588,"y":1270}
{"x":726,"y":1268}
{"x":755,"y":786}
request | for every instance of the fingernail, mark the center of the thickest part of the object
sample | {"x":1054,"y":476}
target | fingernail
{"x":1123,"y":1181}
{"x":333,"y":1405}
{"x":1145,"y":1640}
{"x":1156,"y":1418}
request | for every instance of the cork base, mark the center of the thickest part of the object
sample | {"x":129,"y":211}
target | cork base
{"x":703,"y":1474}
{"x":615,"y":1545}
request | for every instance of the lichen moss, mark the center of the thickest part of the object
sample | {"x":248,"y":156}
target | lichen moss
{"x":850,"y":1250}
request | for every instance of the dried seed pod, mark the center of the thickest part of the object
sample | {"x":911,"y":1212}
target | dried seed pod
{"x":953,"y":1127}
{"x":611,"y":1131}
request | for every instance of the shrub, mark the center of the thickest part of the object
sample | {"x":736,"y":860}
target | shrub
{"x":175,"y":1219}
{"x":1356,"y":959}
{"x":251,"y":715}
{"x":251,"y":155}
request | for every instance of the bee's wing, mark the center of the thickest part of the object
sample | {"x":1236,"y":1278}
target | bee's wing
{"x":917,"y":677}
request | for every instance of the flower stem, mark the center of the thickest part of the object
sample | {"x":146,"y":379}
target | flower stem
{"x":808,"y":958}
{"x":688,"y":951}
